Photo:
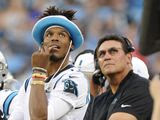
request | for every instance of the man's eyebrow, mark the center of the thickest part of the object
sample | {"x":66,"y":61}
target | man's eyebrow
{"x":64,"y":31}
{"x":112,"y":48}
{"x":103,"y":50}
{"x":100,"y":51}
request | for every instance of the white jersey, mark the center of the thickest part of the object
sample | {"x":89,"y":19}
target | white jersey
{"x":69,"y":86}
{"x":7,"y":101}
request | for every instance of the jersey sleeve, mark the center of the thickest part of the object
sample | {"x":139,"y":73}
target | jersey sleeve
{"x":136,"y":102}
{"x":71,"y":89}
{"x":18,"y":110}
{"x":58,"y":108}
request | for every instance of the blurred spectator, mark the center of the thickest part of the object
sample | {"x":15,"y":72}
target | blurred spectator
{"x":97,"y":17}
{"x":135,"y":8}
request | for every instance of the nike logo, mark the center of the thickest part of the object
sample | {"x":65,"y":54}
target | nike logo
{"x":123,"y":106}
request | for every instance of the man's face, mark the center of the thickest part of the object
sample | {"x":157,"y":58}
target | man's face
{"x":56,"y":43}
{"x":111,"y":57}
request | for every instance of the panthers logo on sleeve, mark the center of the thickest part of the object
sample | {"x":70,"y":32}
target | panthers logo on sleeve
{"x":70,"y":86}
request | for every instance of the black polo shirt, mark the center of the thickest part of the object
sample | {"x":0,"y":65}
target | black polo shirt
{"x":131,"y":97}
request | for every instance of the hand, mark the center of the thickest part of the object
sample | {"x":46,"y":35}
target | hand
{"x":40,"y":58}
{"x":155,"y":88}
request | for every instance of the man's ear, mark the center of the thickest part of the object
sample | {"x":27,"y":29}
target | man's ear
{"x":129,"y":58}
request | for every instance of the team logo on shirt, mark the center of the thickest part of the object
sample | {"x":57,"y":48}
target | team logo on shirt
{"x":70,"y":86}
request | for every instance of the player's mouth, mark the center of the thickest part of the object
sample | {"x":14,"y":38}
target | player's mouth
{"x":54,"y":48}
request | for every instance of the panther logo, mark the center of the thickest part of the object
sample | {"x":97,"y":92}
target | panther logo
{"x":70,"y":86}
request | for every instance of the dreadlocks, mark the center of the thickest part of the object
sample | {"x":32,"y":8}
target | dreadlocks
{"x":52,"y":10}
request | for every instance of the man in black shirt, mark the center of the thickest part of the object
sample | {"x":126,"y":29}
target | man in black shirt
{"x":127,"y":97}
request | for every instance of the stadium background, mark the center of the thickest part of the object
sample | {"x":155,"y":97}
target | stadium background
{"x":94,"y":17}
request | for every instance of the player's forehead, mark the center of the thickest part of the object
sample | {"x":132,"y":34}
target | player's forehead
{"x":57,"y":29}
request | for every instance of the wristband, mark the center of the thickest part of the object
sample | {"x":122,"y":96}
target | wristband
{"x":34,"y":82}
{"x":39,"y":69}
{"x":38,"y":75}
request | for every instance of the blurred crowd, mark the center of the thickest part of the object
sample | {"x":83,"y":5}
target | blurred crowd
{"x":95,"y":18}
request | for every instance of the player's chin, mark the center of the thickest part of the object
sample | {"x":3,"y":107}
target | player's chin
{"x":53,"y":58}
